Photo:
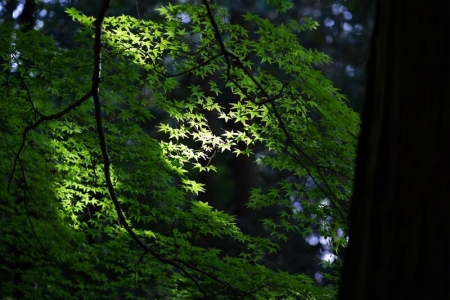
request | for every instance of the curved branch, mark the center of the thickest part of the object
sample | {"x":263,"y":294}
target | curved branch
{"x":37,"y":123}
{"x":107,"y":163}
{"x":289,"y":140}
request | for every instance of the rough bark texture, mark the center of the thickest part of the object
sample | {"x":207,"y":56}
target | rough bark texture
{"x":400,"y":215}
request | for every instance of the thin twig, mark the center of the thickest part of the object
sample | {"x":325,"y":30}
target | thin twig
{"x":37,"y":123}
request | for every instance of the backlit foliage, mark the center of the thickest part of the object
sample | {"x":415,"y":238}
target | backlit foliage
{"x":61,"y":234}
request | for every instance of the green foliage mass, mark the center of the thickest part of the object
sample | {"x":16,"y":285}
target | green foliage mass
{"x":61,"y":236}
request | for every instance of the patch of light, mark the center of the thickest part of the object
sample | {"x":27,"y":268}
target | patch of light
{"x":339,"y":233}
{"x":296,"y":206}
{"x":350,"y":71}
{"x":310,"y":183}
{"x":312,"y":239}
{"x":42,"y":13}
{"x":347,"y":27}
{"x":39,"y":25}
{"x":260,"y":155}
{"x":14,"y":58}
{"x":318,"y":276}
{"x":335,"y":9}
{"x":325,"y":223}
{"x":348,"y":15}
{"x":329,"y":39}
{"x":16,"y":13}
{"x":328,"y":257}
{"x":329,"y":22}
{"x":184,"y":17}
{"x":14,"y":67}
{"x":61,"y":1}
{"x":324,"y":202}
{"x":324,"y":240}
{"x":358,"y":29}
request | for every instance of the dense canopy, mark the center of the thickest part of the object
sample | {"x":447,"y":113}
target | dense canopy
{"x":106,"y":143}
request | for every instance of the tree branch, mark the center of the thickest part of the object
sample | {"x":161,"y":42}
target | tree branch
{"x":107,"y":163}
{"x":289,"y":140}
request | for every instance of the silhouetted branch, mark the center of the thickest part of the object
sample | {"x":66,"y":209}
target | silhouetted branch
{"x":271,"y":100}
{"x":107,"y":163}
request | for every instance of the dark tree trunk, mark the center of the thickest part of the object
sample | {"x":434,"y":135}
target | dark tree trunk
{"x":27,"y":18}
{"x":400,"y":215}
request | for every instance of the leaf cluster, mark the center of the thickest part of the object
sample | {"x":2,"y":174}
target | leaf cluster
{"x":62,"y":231}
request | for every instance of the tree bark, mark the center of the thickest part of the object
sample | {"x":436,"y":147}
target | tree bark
{"x":400,"y":222}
